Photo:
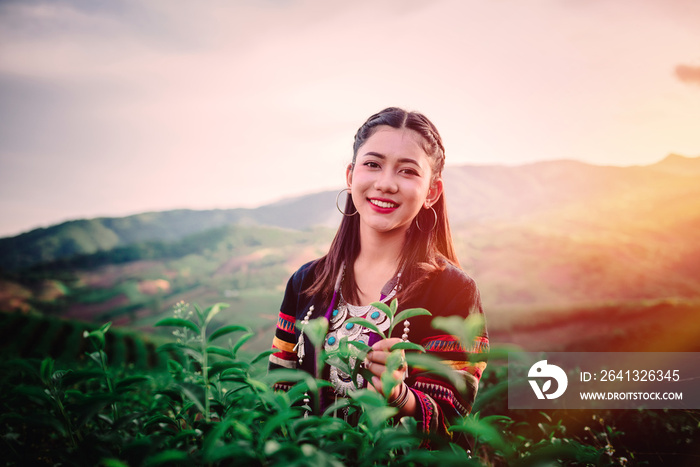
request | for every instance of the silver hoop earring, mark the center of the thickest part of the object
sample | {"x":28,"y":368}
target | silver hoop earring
{"x":337,"y":200}
{"x":434,"y":223}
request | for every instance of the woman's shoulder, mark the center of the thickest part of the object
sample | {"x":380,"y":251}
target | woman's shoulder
{"x":446,"y":288}
{"x":450,"y":276}
{"x":304,"y":276}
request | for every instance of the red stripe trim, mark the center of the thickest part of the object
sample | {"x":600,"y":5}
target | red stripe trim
{"x":288,"y":317}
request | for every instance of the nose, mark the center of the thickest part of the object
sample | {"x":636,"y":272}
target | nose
{"x":386,"y":182}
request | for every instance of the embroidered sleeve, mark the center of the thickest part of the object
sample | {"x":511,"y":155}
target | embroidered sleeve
{"x":283,"y":343}
{"x":440,"y":403}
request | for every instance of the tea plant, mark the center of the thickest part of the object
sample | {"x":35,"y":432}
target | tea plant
{"x":216,"y":406}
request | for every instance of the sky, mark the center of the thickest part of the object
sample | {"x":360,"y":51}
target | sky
{"x":111,"y":108}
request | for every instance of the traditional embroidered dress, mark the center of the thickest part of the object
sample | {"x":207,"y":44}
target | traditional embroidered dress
{"x":446,"y":292}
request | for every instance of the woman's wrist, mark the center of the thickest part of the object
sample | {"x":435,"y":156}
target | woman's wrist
{"x":402,"y":398}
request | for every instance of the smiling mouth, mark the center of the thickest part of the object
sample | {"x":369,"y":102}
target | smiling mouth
{"x":383,"y":204}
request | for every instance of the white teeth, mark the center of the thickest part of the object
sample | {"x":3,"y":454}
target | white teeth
{"x":383,"y":204}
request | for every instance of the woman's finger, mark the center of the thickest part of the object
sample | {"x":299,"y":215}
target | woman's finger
{"x":375,"y":368}
{"x":386,"y":344}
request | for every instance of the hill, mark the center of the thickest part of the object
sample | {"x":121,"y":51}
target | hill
{"x":552,"y":235}
{"x":474,"y":194}
{"x":88,"y":236}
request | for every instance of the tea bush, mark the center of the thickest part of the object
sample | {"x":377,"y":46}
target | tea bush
{"x":215,"y":405}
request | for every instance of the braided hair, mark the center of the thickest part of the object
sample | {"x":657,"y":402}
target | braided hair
{"x":422,"y":250}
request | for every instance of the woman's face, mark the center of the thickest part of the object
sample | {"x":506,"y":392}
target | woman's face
{"x":392,"y":180}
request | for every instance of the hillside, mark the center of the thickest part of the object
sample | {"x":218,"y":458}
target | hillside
{"x":80,"y":237}
{"x":473,"y":193}
{"x":549,"y":236}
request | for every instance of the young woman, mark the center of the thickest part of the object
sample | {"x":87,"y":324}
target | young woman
{"x":394,"y":242}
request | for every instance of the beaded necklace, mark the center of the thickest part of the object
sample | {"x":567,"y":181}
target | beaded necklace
{"x":338,"y":329}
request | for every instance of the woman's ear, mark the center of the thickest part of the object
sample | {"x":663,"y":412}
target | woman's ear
{"x":434,"y":193}
{"x":348,"y":175}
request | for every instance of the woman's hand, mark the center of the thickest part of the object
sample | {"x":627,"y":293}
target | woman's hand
{"x":375,"y":362}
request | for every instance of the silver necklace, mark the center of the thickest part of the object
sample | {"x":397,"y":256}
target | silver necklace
{"x":339,"y":329}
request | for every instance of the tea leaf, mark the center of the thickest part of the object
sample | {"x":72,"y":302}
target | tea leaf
{"x":213,"y":311}
{"x":369,"y":325}
{"x":213,"y":349}
{"x":242,"y":340}
{"x":433,"y":365}
{"x":262,"y":355}
{"x":126,"y":383}
{"x":227,"y":330}
{"x":387,"y":310}
{"x":46,"y":370}
{"x":97,"y":339}
{"x":194,"y":393}
{"x":166,"y":457}
{"x":464,"y":329}
{"x":408,"y":346}
{"x":179,"y":323}
{"x":316,"y":330}
{"x":406,"y":314}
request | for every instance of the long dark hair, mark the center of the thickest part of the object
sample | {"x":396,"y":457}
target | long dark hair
{"x":423,"y":249}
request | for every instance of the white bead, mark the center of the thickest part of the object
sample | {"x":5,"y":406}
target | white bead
{"x":404,"y":336}
{"x":406,"y":324}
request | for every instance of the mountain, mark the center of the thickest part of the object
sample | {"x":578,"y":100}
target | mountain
{"x":679,"y":165}
{"x":558,"y":194}
{"x":88,"y":236}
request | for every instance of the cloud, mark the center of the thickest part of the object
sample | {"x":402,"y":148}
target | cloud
{"x":688,"y":74}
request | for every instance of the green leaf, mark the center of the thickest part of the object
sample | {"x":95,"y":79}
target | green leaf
{"x":179,"y":323}
{"x":97,"y":338}
{"x":105,"y":327}
{"x":433,"y":365}
{"x":464,"y":329}
{"x":408,"y":346}
{"x":166,"y":457}
{"x":91,"y":405}
{"x":227,"y":330}
{"x":486,"y":431}
{"x":46,"y":370}
{"x":380,"y":415}
{"x":367,"y":399}
{"x":78,"y":376}
{"x":364,"y":348}
{"x":369,"y":325}
{"x":213,"y":311}
{"x":242,"y":340}
{"x":200,"y":315}
{"x":394,"y":305}
{"x":194,"y":393}
{"x":34,"y":392}
{"x":215,"y":447}
{"x":406,"y":314}
{"x":316,"y":330}
{"x":126,"y":383}
{"x":262,"y":355}
{"x":158,"y":419}
{"x":341,"y":403}
{"x":112,"y":463}
{"x":213,"y":349}
{"x":219,"y":367}
{"x":383,"y":307}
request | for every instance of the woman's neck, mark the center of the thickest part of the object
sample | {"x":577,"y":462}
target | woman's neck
{"x":377,"y":262}
{"x":378,"y":248}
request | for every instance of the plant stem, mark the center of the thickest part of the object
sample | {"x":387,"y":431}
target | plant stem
{"x":103,"y":361}
{"x":205,"y":372}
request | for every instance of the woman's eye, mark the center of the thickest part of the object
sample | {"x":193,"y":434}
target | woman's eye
{"x":371,"y":164}
{"x":409,"y":171}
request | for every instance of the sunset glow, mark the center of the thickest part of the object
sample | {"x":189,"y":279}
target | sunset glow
{"x":112,"y":109}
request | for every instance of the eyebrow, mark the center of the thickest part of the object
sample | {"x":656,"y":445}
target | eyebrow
{"x":404,"y":160}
